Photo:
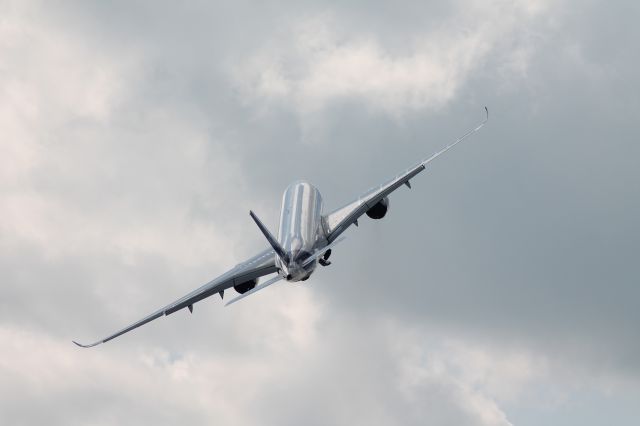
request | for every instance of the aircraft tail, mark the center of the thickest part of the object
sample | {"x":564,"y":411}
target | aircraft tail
{"x":272,"y":241}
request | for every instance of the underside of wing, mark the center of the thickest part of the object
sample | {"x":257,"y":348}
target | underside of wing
{"x":257,"y":266}
{"x":336,"y":222}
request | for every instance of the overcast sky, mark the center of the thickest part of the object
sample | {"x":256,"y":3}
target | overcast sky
{"x":502,"y":289}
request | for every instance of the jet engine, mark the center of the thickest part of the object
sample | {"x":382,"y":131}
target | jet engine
{"x":379,"y":210}
{"x":245,"y":286}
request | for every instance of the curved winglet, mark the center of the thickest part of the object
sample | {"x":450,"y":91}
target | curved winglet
{"x":88,"y":346}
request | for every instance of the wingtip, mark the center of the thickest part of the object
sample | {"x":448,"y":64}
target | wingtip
{"x":86,"y":346}
{"x":487,"y":111}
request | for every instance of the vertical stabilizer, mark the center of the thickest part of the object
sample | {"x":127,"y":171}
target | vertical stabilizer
{"x":274,"y":243}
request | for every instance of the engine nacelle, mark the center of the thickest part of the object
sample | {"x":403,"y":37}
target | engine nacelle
{"x":245,"y":286}
{"x":379,"y":210}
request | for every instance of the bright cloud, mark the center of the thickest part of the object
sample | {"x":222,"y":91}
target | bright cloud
{"x":318,"y":62}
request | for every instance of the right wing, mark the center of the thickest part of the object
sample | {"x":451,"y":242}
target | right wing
{"x":336,"y":222}
{"x":258,"y":266}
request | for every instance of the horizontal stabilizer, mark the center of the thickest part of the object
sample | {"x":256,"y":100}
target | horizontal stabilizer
{"x":258,"y":288}
{"x":321,"y":251}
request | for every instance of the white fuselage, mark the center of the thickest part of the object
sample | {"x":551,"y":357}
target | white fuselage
{"x":300,"y":229}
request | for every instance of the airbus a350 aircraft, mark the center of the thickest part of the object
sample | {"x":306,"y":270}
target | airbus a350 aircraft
{"x":305,"y":238}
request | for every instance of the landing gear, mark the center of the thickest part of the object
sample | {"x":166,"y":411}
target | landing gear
{"x":324,"y":260}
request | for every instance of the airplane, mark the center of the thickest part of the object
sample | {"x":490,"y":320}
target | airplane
{"x":306,"y":237}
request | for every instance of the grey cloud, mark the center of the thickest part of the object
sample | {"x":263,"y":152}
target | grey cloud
{"x":523,"y":238}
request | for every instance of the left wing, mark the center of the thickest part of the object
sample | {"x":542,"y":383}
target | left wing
{"x":336,"y":222}
{"x":257,"y":266}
